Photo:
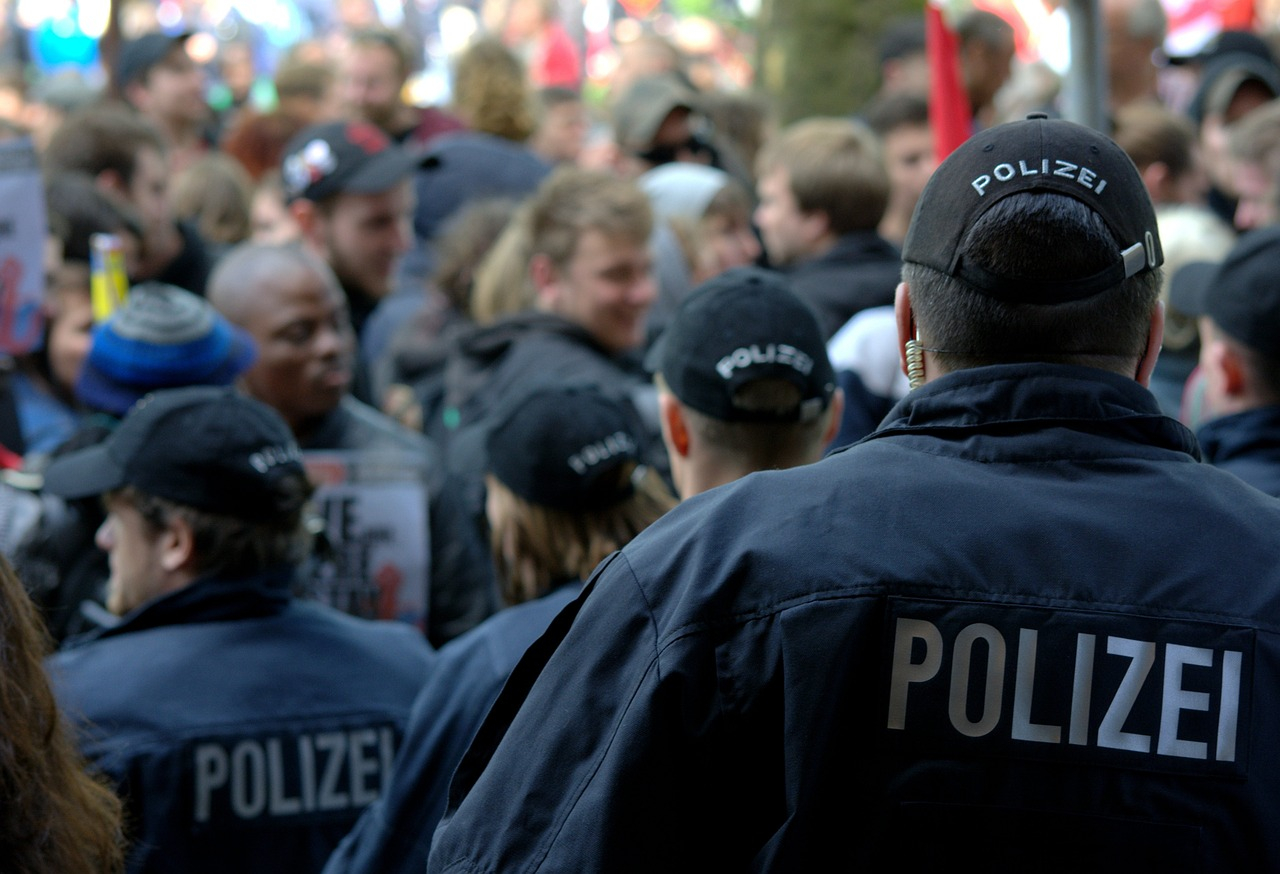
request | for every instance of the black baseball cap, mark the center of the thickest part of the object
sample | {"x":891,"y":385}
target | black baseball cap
{"x":562,"y":445}
{"x":1241,"y":295}
{"x":343,"y":156}
{"x":1036,"y":154}
{"x":1228,"y":42}
{"x":744,"y":325}
{"x":138,"y":56}
{"x":205,"y":447}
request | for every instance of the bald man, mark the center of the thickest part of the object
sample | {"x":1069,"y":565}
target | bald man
{"x":289,"y":300}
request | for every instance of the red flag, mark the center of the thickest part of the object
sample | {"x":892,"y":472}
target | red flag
{"x":949,"y":111}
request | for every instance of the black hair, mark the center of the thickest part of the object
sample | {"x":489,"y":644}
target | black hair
{"x":1035,"y":236}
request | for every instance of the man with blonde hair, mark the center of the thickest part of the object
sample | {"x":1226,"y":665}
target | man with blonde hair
{"x":585,"y":239}
{"x":823,"y":189}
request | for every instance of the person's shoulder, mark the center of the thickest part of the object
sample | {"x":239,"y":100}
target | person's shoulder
{"x":502,"y":638}
{"x":360,"y":426}
{"x":736,"y":537}
{"x":331,"y":620}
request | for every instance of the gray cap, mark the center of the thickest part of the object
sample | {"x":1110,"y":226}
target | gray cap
{"x":643,"y":107}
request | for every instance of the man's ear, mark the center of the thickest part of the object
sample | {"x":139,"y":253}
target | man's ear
{"x":835,"y":413}
{"x":177,"y":545}
{"x":906,"y":322}
{"x":1226,"y":368}
{"x":543,"y":276}
{"x":309,"y":220}
{"x":111,"y":182}
{"x":675,"y":430}
{"x":1155,"y":339}
{"x":136,"y":94}
{"x":1157,"y":178}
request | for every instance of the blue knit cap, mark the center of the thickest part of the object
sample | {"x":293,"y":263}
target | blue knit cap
{"x":163,"y":337}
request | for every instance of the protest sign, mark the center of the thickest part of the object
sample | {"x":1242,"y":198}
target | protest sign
{"x":375,"y":557}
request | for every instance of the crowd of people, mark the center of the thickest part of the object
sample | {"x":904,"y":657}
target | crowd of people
{"x":527,"y":481}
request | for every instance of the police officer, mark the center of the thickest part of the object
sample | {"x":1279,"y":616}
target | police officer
{"x":1018,"y":627}
{"x":246,"y":731}
{"x":744,"y":381}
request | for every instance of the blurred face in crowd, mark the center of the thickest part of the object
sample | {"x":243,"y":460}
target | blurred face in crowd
{"x":561,"y":133}
{"x":986,"y":69}
{"x":270,"y":219}
{"x":607,"y":287}
{"x":1256,"y":195}
{"x":133,"y":550}
{"x":370,"y":84}
{"x":148,"y":190}
{"x":70,"y":323}
{"x":910,"y":161}
{"x":305,"y":345}
{"x":172,"y":91}
{"x":790,"y":235}
{"x":362,"y":236}
{"x":725,"y":241}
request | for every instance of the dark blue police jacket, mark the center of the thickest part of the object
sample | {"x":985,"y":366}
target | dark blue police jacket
{"x":246,"y":730}
{"x":393,"y":835}
{"x":1017,"y":628}
{"x":1247,"y":444}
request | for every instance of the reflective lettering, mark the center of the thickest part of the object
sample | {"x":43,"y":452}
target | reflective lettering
{"x":307,"y":773}
{"x":1230,"y":707}
{"x":980,"y":184}
{"x":211,"y":773}
{"x":361,"y":767}
{"x":249,"y":780}
{"x":1065,"y":169}
{"x":290,"y":776}
{"x":281,"y":804}
{"x":1082,"y":689}
{"x":1023,"y":727}
{"x":334,"y":743}
{"x":1027,"y":171}
{"x":1004,"y":172}
{"x":387,"y":751}
{"x":905,"y":672}
{"x":1086,"y":177}
{"x":1142,"y":656}
{"x":994,"y":681}
{"x":1175,"y":699}
{"x":962,"y":668}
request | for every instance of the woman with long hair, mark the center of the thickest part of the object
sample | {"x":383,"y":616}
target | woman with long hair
{"x":55,"y":818}
{"x":566,"y":489}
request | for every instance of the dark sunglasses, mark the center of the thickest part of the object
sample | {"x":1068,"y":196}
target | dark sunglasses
{"x":667,"y":154}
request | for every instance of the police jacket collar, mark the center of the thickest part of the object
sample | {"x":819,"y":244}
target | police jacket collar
{"x":207,"y":600}
{"x":1051,"y":400}
{"x":1246,"y":444}
{"x":1241,"y":434}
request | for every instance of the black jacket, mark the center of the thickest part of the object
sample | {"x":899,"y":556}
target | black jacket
{"x":1018,"y":627}
{"x":861,"y":270}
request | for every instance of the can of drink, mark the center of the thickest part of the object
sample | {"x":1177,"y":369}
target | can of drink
{"x":108,"y":283}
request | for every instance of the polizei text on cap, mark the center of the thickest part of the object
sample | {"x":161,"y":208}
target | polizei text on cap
{"x":1006,"y":172}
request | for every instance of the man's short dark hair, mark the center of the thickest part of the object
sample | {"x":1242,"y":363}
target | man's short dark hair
{"x":228,"y":546}
{"x":760,"y":445}
{"x":894,"y":111}
{"x":1264,"y":371}
{"x":388,"y":39}
{"x":1039,"y":236}
{"x":78,"y":210}
{"x":985,"y":28}
{"x":100,"y":138}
